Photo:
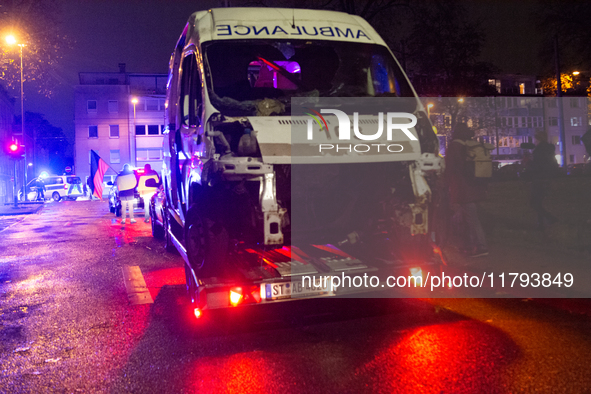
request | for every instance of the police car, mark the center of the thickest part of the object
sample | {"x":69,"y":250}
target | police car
{"x":57,"y":187}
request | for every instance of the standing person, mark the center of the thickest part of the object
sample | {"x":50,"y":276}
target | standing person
{"x":542,"y":167}
{"x":147,"y":192}
{"x":465,"y":192}
{"x":40,"y":186}
{"x":126,"y":183}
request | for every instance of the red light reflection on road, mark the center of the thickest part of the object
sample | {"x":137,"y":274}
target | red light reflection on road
{"x":241,"y":373}
{"x":155,"y":280}
{"x":465,"y":356}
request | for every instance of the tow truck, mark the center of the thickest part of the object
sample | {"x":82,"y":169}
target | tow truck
{"x":253,"y":226}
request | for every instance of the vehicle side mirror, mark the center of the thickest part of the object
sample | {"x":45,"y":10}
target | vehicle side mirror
{"x":527,"y":145}
{"x":151,"y":183}
{"x":109,"y":183}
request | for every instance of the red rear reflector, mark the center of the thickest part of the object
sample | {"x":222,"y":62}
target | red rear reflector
{"x":256,"y":295}
{"x":235,"y":296}
{"x":197,"y":313}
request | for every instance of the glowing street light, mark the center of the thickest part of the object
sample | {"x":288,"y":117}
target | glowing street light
{"x":429,"y":106}
{"x":576,"y":73}
{"x":461,"y":100}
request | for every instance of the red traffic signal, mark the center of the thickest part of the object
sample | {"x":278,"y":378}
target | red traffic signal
{"x":14,"y":150}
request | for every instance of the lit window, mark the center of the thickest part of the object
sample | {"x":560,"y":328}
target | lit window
{"x":115,"y":157}
{"x":148,"y":154}
{"x":521,"y":88}
{"x":576,"y":121}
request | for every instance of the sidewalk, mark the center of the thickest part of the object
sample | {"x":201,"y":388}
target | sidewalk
{"x":24,"y":208}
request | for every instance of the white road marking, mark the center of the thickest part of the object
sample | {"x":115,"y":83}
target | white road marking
{"x":137,"y":291}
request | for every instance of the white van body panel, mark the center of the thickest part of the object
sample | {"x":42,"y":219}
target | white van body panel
{"x":279,"y":23}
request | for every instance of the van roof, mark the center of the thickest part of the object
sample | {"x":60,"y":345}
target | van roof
{"x":279,"y":23}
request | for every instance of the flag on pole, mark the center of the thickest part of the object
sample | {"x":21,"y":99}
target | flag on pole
{"x":98,"y":167}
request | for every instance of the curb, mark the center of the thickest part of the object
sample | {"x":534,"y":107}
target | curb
{"x":9,"y":211}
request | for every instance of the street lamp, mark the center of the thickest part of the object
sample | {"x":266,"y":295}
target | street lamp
{"x":576,"y":73}
{"x":134,"y":101}
{"x":11,"y":40}
{"x":429,"y":106}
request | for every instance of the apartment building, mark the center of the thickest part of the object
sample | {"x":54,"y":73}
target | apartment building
{"x":121,"y":117}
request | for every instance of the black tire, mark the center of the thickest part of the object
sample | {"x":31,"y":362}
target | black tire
{"x":56,"y":196}
{"x":157,"y":228}
{"x":168,"y":245}
{"x":207,"y":243}
{"x":118,"y":211}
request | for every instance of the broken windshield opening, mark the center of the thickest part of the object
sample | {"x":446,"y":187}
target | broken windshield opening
{"x":242,"y":74}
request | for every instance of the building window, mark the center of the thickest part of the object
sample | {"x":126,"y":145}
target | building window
{"x":576,"y":139}
{"x":140,"y":106}
{"x":552,"y":102}
{"x":115,"y":158}
{"x":153,"y":129}
{"x":113,"y":106}
{"x":552,"y":121}
{"x":92,"y":131}
{"x":574,"y":102}
{"x":91,"y":106}
{"x":151,"y":104}
{"x":148,"y":154}
{"x":572,"y":159}
{"x":114,"y":131}
{"x":521,"y":88}
{"x":576,"y":121}
{"x":140,"y":129}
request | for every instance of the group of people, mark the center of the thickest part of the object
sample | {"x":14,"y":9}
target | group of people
{"x":465,"y":192}
{"x":127,"y":182}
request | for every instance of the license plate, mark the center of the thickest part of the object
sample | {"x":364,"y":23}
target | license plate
{"x":295,"y":289}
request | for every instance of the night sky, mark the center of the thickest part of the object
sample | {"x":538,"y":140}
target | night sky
{"x":143,"y":33}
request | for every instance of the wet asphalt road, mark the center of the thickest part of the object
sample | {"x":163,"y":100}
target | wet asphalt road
{"x":66,"y":326}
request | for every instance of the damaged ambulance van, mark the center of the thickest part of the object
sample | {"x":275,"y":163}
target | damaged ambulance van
{"x":229,"y":182}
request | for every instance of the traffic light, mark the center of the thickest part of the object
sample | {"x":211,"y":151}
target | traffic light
{"x":15,"y":150}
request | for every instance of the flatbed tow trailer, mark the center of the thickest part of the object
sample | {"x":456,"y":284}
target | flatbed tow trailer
{"x":294,"y":273}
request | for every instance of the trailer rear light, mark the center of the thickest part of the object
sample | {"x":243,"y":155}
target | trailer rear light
{"x":256,"y":295}
{"x":235,"y":296}
{"x":197,"y":313}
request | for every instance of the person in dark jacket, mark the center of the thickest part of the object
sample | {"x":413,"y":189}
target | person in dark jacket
{"x":126,"y":184}
{"x":465,"y":192}
{"x":542,"y":167}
